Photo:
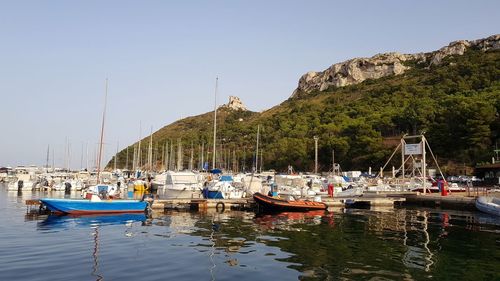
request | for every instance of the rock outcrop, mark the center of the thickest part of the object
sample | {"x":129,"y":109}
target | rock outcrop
{"x":235,"y":104}
{"x":357,"y":70}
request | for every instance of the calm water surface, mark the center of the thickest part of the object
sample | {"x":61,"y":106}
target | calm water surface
{"x":395,"y":244}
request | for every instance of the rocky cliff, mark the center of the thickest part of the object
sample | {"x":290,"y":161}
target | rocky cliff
{"x":357,"y":70}
{"x":235,"y":103}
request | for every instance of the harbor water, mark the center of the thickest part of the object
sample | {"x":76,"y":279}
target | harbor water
{"x":341,"y":244}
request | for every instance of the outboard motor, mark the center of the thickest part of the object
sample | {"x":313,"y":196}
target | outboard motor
{"x":20,"y":185}
{"x":67,"y":187}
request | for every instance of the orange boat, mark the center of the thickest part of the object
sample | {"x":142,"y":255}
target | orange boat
{"x":273,"y":204}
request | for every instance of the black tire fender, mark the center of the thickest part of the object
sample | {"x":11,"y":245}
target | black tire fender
{"x":220,"y":209}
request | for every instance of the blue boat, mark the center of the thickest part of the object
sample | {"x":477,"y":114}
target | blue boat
{"x":91,"y":206}
{"x":222,"y":189}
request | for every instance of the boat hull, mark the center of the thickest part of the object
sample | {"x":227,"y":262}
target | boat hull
{"x":181,"y":193}
{"x":271,"y":204}
{"x":214,"y":194}
{"x":209,"y":194}
{"x":488,"y":205}
{"x":85,"y":206}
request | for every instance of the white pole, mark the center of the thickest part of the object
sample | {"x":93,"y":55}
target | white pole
{"x":316,"y":154}
{"x":202,"y":156}
{"x":150,"y":151}
{"x":116,"y":155}
{"x":215,"y":122}
{"x":257,"y":151}
{"x":87,"y":155}
{"x":102,"y":134}
{"x":333,"y":162}
{"x":403,"y":158}
{"x":423,"y":162}
{"x":139,"y":148}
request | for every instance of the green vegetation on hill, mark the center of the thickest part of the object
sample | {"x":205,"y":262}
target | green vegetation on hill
{"x":456,"y":104}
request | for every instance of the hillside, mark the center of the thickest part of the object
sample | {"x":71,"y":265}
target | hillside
{"x":453,"y":95}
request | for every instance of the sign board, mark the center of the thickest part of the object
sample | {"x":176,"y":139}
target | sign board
{"x":413,"y":148}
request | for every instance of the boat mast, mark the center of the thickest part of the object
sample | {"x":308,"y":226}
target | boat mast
{"x":116,"y":154}
{"x":139,"y":155}
{"x":191,"y":160}
{"x":180,"y":159}
{"x":53,"y":161}
{"x":261,"y":160}
{"x":81,"y":158}
{"x":257,"y":150}
{"x":202,"y":154}
{"x":167,"y":159}
{"x":102,"y":134}
{"x":65,"y":159}
{"x":126,"y":161}
{"x":171,"y":156}
{"x":134,"y":158}
{"x":150,"y":151}
{"x":47,"y":161}
{"x":215,"y":123}
{"x":87,"y":156}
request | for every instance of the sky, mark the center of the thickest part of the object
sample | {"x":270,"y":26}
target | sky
{"x":161,"y":59}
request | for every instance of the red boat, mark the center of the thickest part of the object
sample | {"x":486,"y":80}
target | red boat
{"x":273,"y":204}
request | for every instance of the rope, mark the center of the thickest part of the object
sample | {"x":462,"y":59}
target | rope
{"x":437,"y":165}
{"x":394,"y":152}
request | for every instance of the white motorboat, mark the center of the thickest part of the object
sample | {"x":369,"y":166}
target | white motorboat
{"x":21,"y":185}
{"x":488,"y":204}
{"x":182,"y":185}
{"x":223,"y":188}
{"x":159,"y":181}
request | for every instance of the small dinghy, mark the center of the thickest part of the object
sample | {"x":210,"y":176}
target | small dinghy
{"x":488,"y":204}
{"x":273,"y":204}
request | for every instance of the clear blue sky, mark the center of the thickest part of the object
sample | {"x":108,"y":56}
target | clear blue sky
{"x":162,"y":58}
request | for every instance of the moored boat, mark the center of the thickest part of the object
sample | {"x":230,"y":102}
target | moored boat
{"x":93,"y":206}
{"x":182,"y":185}
{"x":273,"y":204}
{"x":488,"y":204}
{"x":222,"y":188}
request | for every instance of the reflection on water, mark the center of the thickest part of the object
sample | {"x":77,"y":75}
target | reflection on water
{"x":343,"y":244}
{"x":53,"y":222}
{"x":95,"y":255}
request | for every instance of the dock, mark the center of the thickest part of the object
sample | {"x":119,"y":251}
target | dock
{"x":367,"y":200}
{"x":457,"y":202}
{"x":204,"y":204}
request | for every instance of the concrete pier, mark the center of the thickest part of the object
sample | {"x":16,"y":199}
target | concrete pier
{"x":367,"y":200}
{"x":458,"y":202}
{"x":203,"y":204}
